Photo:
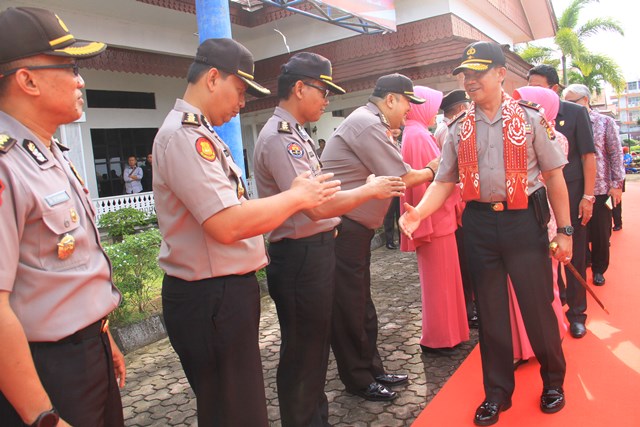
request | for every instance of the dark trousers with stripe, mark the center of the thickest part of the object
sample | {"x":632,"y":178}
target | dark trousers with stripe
{"x":213,"y":327}
{"x":301,"y":277}
{"x":355,"y":321}
{"x":599,"y":235}
{"x":79,"y":379}
{"x":511,"y":243}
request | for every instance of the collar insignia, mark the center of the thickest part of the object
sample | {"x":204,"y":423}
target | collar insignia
{"x":384,"y":120}
{"x":75,"y":172}
{"x":33,"y":150}
{"x":6,"y":143}
{"x":190,"y":119}
{"x":206,"y":123}
{"x":284,"y":127}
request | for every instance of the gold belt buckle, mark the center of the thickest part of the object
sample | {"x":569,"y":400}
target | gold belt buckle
{"x":497,"y":206}
{"x":105,"y":326}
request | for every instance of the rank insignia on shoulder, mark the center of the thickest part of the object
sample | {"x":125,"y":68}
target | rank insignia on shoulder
{"x":458,"y":117}
{"x":384,"y":120}
{"x":296,"y":150}
{"x":33,"y":150}
{"x":190,"y":119}
{"x":284,"y":127}
{"x":205,"y":149}
{"x":529,"y":104}
{"x":206,"y":123}
{"x":6,"y":142}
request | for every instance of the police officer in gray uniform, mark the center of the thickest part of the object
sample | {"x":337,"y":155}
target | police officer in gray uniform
{"x":212,"y":243}
{"x":497,"y":149}
{"x":58,"y":362}
{"x":362,"y":145}
{"x":301,"y":250}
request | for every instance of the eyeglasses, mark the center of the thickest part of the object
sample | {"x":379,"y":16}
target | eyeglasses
{"x":574,"y":100}
{"x":320,"y":88}
{"x":74,"y":66}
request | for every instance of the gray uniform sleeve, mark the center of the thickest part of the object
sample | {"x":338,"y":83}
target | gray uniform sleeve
{"x":548,"y":151}
{"x":11,"y":225}
{"x":198,"y":178}
{"x":377,"y":153}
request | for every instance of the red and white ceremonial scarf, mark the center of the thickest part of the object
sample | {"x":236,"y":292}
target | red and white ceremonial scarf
{"x":514,"y":124}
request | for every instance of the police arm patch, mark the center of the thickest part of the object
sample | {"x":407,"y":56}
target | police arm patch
{"x":205,"y":149}
{"x":295,"y":150}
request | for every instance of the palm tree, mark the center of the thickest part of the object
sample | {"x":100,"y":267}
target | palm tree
{"x":533,"y":54}
{"x":592,"y":70}
{"x":570,"y":38}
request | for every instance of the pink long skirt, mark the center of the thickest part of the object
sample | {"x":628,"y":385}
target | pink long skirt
{"x":444,"y":316}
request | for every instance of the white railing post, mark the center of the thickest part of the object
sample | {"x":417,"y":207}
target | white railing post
{"x":141,"y":201}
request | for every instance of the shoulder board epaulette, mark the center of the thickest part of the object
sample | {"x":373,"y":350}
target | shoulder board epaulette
{"x":529,"y":104}
{"x":190,"y":119}
{"x":284,"y":127}
{"x":384,"y":119}
{"x":456,"y":118}
{"x":61,"y":145}
{"x":6,"y":143}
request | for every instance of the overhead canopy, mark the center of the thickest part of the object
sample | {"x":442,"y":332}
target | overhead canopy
{"x":362,"y":16}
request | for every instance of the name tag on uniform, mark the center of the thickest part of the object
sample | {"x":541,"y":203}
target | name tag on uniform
{"x":57,"y":198}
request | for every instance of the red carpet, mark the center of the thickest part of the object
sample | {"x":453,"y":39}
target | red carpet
{"x":602,"y":385}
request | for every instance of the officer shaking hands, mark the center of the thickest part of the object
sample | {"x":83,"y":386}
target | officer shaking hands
{"x":212,"y":237}
{"x":301,"y":273}
{"x":58,"y":362}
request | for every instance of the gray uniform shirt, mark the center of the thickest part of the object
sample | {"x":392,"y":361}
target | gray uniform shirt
{"x":543,"y":154}
{"x":194,"y":178}
{"x":283,"y":151}
{"x":362,"y":145}
{"x":42,"y":201}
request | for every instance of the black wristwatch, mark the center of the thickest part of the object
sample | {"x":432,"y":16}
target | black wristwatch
{"x":48,"y":418}
{"x":568,"y":230}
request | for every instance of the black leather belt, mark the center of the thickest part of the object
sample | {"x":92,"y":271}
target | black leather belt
{"x":91,"y":331}
{"x":492,"y":206}
{"x":322,"y":237}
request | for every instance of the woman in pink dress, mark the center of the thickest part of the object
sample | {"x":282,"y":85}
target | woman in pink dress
{"x":444,"y":316}
{"x":522,"y":350}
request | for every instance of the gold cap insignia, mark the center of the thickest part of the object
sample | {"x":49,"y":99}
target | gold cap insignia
{"x":66,"y":246}
{"x":471,"y":51}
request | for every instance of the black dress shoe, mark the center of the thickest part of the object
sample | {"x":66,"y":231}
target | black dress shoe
{"x":391,"y":246}
{"x":577,"y":330}
{"x":617,"y":228}
{"x":474,"y":322}
{"x":598,"y":279}
{"x":488,"y":413}
{"x":518,"y":363}
{"x":375,"y":392}
{"x":391,"y":380}
{"x":552,"y":400}
{"x":439,"y":351}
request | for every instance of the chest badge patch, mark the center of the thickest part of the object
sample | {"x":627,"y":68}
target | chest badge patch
{"x":204,"y":147}
{"x":66,"y":246}
{"x":295,"y":150}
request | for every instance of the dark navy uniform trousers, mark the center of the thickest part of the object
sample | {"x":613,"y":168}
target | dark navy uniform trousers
{"x":301,"y":281}
{"x":512,"y":243}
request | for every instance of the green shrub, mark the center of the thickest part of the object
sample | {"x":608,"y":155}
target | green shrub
{"x":122,"y":222}
{"x":135,"y":270}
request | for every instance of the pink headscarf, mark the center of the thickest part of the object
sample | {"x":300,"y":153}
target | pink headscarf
{"x":425,"y":113}
{"x":547,"y":98}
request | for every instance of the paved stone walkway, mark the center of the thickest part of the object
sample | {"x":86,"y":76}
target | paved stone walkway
{"x":157,"y":393}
